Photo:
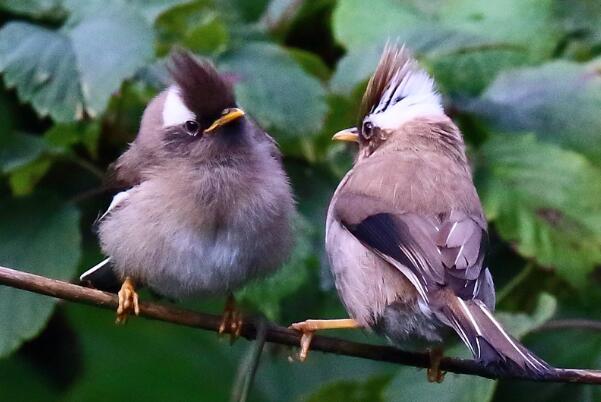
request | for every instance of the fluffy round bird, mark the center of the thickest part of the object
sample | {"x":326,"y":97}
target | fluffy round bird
{"x":405,"y":233}
{"x":209,"y":205}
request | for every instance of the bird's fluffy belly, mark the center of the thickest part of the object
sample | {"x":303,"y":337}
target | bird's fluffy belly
{"x":178,"y":260}
{"x":400,"y":322}
{"x":202,"y":263}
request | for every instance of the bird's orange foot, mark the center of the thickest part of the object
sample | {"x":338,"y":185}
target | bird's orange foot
{"x":231,"y":321}
{"x":128,"y":301}
{"x":434,"y":372}
{"x":308,"y":328}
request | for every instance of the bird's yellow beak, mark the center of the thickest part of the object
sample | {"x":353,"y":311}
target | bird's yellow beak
{"x":348,"y":135}
{"x":227,"y":116}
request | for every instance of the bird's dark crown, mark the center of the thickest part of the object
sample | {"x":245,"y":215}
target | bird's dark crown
{"x":203,"y":90}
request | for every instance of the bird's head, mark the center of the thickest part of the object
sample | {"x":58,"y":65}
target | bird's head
{"x":398,"y":92}
{"x":197,"y":116}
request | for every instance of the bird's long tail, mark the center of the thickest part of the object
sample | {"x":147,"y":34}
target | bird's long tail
{"x":488,"y":341}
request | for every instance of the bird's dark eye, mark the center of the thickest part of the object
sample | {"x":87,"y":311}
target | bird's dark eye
{"x":191,"y":127}
{"x":367,"y":129}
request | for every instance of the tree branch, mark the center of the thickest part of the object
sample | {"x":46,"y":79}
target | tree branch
{"x":570,"y":323}
{"x":274,"y":333}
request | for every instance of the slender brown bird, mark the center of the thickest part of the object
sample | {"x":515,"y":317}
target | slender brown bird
{"x":209,"y":205}
{"x":405,"y":232}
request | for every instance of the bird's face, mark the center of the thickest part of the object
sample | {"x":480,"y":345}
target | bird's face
{"x":398,"y":92}
{"x":199,"y":116}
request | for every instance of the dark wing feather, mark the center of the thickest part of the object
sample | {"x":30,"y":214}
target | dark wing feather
{"x":442,"y":250}
{"x":390,"y":236}
{"x":443,"y":257}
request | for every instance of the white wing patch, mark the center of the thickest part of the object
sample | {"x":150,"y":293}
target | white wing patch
{"x":175,"y":111}
{"x":118,"y":199}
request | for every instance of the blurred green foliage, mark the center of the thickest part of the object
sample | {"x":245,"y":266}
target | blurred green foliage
{"x":521,"y":77}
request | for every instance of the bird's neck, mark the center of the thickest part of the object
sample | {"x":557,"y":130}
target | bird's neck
{"x":428,"y":137}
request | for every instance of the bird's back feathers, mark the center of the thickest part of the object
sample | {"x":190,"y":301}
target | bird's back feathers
{"x":411,"y":205}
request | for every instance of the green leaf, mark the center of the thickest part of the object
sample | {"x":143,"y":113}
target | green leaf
{"x":464,"y":42}
{"x":12,"y":372}
{"x":243,"y":11}
{"x":354,"y":69}
{"x":24,"y":179}
{"x":64,"y":72}
{"x":196,"y":25}
{"x":208,"y":35}
{"x":411,"y":385}
{"x":470,"y":64}
{"x":41,"y":64}
{"x":27,"y":158}
{"x":38,"y":235}
{"x":559,"y":101}
{"x":311,"y":63}
{"x":267,"y":294}
{"x":153,"y":9}
{"x":275,"y":89}
{"x":544,"y":201}
{"x":150,"y":10}
{"x":104,"y":64}
{"x":580,"y":18}
{"x":179,"y":362}
{"x":17,"y":150}
{"x":61,"y":137}
{"x":520,"y":324}
{"x":34,"y":8}
{"x":358,"y":24}
{"x":528,"y":23}
{"x":352,"y":391}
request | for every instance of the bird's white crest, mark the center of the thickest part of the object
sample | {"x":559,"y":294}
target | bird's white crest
{"x":175,"y":111}
{"x":411,"y":93}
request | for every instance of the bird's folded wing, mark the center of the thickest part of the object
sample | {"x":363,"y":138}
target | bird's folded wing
{"x":274,"y":148}
{"x":445,"y":249}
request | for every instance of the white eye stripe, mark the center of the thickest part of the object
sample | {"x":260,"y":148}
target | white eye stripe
{"x":175,"y":111}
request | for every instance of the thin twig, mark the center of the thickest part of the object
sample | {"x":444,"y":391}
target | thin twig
{"x":515,"y":282}
{"x":87,"y":194}
{"x":249,"y":366}
{"x":277,"y":334}
{"x":86,"y":165}
{"x":569,"y":323}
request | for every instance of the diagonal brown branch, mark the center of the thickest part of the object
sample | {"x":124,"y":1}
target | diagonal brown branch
{"x":274,"y":333}
{"x":567,"y":323}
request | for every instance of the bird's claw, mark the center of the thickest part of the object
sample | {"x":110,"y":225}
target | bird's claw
{"x":231,"y":321}
{"x":434,"y":373}
{"x":128,"y":302}
{"x":308,"y":331}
